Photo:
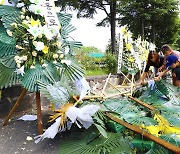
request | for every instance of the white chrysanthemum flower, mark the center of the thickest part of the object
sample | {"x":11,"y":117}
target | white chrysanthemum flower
{"x":16,"y":58}
{"x":67,"y":62}
{"x":9,"y":32}
{"x":22,"y":17}
{"x":23,"y":9}
{"x":37,"y":9}
{"x":24,"y":58}
{"x":34,"y":53}
{"x":55,"y":56}
{"x":38,"y":45}
{"x":18,"y":47}
{"x":20,"y":70}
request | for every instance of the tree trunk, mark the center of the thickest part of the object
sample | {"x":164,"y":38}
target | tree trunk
{"x":113,"y":25}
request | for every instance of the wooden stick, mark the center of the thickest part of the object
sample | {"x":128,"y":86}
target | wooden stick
{"x":15,"y":107}
{"x":102,"y":93}
{"x":39,"y":113}
{"x":113,"y":95}
{"x":92,"y":97}
{"x":142,"y":103}
{"x":132,"y":84}
{"x":114,"y":87}
{"x":145,"y":134}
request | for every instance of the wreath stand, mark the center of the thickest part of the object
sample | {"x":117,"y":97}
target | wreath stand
{"x":38,"y":105}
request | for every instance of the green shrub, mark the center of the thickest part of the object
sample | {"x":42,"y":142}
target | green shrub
{"x":111,"y":63}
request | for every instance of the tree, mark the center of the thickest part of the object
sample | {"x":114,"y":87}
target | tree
{"x":87,"y":9}
{"x":155,"y":20}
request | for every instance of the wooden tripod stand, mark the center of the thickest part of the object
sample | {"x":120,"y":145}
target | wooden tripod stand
{"x":38,"y":105}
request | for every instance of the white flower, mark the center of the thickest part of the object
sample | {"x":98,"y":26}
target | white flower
{"x":20,"y":5}
{"x":20,"y":70}
{"x":32,"y":67}
{"x":38,"y":45}
{"x":34,"y":53}
{"x":18,"y":47}
{"x":25,"y":22}
{"x":24,"y":58}
{"x":18,"y":61}
{"x":18,"y":65}
{"x":22,"y":17}
{"x":61,"y":55}
{"x":44,"y":65}
{"x":67,"y":62}
{"x":55,"y":56}
{"x":47,"y":32}
{"x":23,"y":9}
{"x":54,"y":62}
{"x":16,"y":58}
{"x":9,"y":32}
{"x":14,"y":25}
{"x":37,"y":9}
{"x":34,"y":30}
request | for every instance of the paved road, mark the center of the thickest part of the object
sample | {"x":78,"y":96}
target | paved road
{"x":13,"y":138}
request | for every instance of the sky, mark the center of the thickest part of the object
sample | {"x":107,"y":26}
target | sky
{"x":88,"y":33}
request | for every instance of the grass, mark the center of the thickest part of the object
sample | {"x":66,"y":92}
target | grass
{"x":96,"y":72}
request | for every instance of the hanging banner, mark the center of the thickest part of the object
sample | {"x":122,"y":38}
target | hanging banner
{"x":120,"y":52}
{"x":51,"y":17}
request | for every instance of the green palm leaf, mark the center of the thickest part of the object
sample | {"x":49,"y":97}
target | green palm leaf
{"x":7,"y":43}
{"x":91,"y":142}
{"x":9,"y":15}
{"x":8,"y":76}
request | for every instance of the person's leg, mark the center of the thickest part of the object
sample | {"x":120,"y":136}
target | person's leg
{"x":176,"y":77}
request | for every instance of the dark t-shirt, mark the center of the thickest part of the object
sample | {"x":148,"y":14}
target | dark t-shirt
{"x":155,"y":64}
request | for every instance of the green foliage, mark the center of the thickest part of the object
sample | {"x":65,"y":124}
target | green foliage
{"x":155,"y":20}
{"x":91,"y":142}
{"x":111,"y":63}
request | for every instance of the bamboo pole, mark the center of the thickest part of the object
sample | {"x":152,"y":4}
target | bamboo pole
{"x":39,"y":113}
{"x":113,"y":95}
{"x":136,"y":129}
{"x":92,"y":97}
{"x":102,"y":93}
{"x":132,"y":84}
{"x":142,"y":103}
{"x":15,"y":107}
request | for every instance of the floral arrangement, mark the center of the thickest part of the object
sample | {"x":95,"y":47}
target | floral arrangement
{"x":36,"y":40}
{"x":135,"y":52}
{"x":38,"y":45}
